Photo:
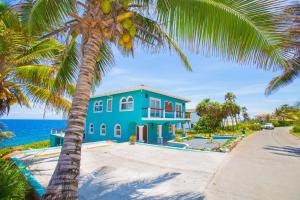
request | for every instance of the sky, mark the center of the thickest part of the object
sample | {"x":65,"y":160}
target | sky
{"x":211,"y":78}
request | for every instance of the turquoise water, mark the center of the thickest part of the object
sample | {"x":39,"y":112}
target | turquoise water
{"x":28,"y":131}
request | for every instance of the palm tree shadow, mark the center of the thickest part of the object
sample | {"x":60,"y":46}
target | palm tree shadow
{"x":99,"y":185}
{"x":284,"y":151}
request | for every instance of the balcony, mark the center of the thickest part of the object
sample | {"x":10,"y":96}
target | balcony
{"x":161,"y":114}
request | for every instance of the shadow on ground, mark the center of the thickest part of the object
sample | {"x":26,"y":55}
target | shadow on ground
{"x":100,"y":185}
{"x":284,"y":151}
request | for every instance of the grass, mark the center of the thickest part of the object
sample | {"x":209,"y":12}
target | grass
{"x":34,"y":145}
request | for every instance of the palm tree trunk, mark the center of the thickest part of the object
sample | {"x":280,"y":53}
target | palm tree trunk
{"x":64,"y":181}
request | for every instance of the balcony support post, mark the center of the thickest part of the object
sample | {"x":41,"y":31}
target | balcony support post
{"x":173,"y":131}
{"x":149,"y":112}
{"x":141,"y":139}
{"x":159,"y":134}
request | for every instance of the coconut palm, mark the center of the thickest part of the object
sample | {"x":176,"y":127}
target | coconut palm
{"x":242,"y":31}
{"x":229,"y":96}
{"x":25,"y":74}
{"x":245,"y":114}
{"x":291,"y":17}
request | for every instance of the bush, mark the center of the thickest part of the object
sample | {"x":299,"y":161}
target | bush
{"x":296,"y":129}
{"x":12,"y":183}
{"x":189,"y":137}
{"x":249,"y":126}
{"x":285,"y":123}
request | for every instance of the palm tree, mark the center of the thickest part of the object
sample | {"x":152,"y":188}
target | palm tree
{"x":245,"y":114}
{"x":291,"y":17}
{"x":242,"y":31}
{"x":229,"y":96}
{"x":24,"y":74}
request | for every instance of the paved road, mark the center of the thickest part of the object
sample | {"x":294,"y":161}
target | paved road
{"x":265,"y":166}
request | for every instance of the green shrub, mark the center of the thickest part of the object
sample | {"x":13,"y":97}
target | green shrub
{"x":285,"y":123}
{"x":250,"y":126}
{"x":275,"y":123}
{"x":13,"y":185}
{"x":189,"y":137}
{"x":179,"y":140}
{"x":296,"y":129}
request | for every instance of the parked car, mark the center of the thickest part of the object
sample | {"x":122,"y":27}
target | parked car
{"x":269,"y":126}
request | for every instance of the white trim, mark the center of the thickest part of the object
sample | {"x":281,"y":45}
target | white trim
{"x":91,"y":132}
{"x":155,"y":99}
{"x":109,"y":99}
{"x":98,"y":105}
{"x":180,"y":104}
{"x":101,"y":129}
{"x":115,"y":131}
{"x":126,"y":99}
{"x":141,"y":87}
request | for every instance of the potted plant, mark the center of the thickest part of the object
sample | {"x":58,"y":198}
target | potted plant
{"x":132,"y":139}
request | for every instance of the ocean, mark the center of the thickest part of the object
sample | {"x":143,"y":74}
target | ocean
{"x":28,"y":131}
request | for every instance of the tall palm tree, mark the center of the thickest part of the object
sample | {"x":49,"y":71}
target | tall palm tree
{"x":229,"y":96}
{"x":25,"y":73}
{"x":245,"y":114}
{"x":291,"y":16}
{"x":242,"y":31}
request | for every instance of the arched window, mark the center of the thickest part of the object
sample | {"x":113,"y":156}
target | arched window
{"x":91,"y":128}
{"x":126,"y":104}
{"x":117,"y":130}
{"x":123,"y":104}
{"x":98,"y":106}
{"x":129,"y":103}
{"x":103,"y":129}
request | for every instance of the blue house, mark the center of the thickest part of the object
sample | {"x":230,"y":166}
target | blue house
{"x":149,"y":114}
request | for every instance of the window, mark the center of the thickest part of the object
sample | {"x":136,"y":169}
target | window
{"x":155,"y":108}
{"x":91,"y":128}
{"x":179,"y":113}
{"x":123,"y":103}
{"x":98,"y":106}
{"x":109,"y":105}
{"x":103,"y":129}
{"x":127,"y":104}
{"x":117,"y":130}
{"x":170,"y":128}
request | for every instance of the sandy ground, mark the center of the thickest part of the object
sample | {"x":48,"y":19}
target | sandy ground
{"x":264,"y":166}
{"x":123,"y":171}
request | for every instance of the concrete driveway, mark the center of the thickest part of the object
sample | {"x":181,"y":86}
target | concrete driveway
{"x":264,"y":166}
{"x":123,"y":171}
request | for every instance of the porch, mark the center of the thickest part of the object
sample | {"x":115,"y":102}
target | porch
{"x":157,"y":132}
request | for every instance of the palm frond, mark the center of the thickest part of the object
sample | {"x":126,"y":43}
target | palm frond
{"x":287,"y":77}
{"x":242,"y":31}
{"x":47,"y":14}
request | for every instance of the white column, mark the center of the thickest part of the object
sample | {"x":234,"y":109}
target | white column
{"x":174,"y":114}
{"x":141,"y":139}
{"x":164,"y":114}
{"x":149,"y":112}
{"x":159,"y":133}
{"x":173,"y":130}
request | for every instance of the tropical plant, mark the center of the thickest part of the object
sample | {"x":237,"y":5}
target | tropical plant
{"x":242,"y":31}
{"x":12,"y":183}
{"x":231,"y":108}
{"x":245,"y":114}
{"x":290,"y":17}
{"x":211,"y":115}
{"x":25,"y":73}
{"x":5,"y":134}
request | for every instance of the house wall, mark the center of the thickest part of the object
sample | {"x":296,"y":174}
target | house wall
{"x":127,"y":119}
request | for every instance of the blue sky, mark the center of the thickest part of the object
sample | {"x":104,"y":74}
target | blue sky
{"x":211,"y":78}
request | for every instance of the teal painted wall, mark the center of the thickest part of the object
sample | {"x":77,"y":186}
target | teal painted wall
{"x":127,"y":119}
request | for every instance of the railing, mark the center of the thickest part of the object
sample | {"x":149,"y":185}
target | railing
{"x":161,"y":113}
{"x":58,"y":132}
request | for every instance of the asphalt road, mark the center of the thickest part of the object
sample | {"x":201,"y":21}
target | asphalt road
{"x":264,"y":166}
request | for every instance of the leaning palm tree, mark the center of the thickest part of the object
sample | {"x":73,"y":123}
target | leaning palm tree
{"x":25,"y":73}
{"x":291,"y":17}
{"x":242,"y":31}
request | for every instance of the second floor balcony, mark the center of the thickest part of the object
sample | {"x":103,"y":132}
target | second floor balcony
{"x":154,"y":113}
